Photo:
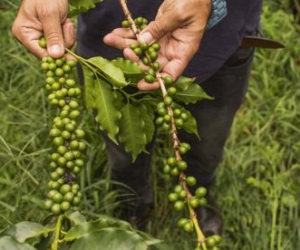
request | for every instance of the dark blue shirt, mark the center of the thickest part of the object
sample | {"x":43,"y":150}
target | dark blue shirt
{"x":217,"y":45}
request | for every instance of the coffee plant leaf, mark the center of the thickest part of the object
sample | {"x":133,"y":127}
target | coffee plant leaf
{"x":109,"y":71}
{"x":103,"y":222}
{"x":76,"y":218}
{"x":183,"y":82}
{"x":110,"y":239}
{"x":26,"y":230}
{"x":147,"y":114}
{"x":191,"y":94}
{"x":190,"y":125}
{"x":132,"y":130}
{"x":10,"y":243}
{"x":79,"y":6}
{"x":128,"y":67}
{"x":107,"y":114}
{"x":149,"y":239}
{"x":152,"y":98}
{"x":88,"y":90}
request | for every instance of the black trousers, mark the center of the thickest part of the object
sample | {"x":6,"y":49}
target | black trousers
{"x":214,"y":118}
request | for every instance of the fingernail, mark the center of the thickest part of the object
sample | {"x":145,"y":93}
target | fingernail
{"x":146,"y":37}
{"x":55,"y":50}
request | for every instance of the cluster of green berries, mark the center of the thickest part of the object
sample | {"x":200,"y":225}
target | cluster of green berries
{"x":173,"y":166}
{"x":212,"y":243}
{"x":166,"y":117}
{"x":147,"y":53}
{"x":140,"y":23}
{"x":66,"y":159}
{"x":168,"y":112}
{"x":180,"y":196}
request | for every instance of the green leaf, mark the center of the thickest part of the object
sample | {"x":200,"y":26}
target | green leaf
{"x":132,"y":130}
{"x":191,"y":94}
{"x":119,"y":100}
{"x":149,"y":239}
{"x":26,"y":230}
{"x":107,"y":114}
{"x":152,"y":98}
{"x":183,"y":82}
{"x":110,"y":239}
{"x":147,"y":114}
{"x":9,"y":243}
{"x":190,"y":125}
{"x":128,"y":67}
{"x":109,"y":71}
{"x":88,"y":90}
{"x":79,"y":6}
{"x":76,"y":218}
{"x":103,"y":222}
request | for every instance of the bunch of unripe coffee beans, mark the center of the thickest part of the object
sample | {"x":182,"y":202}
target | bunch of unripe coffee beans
{"x":211,"y":243}
{"x":66,"y":159}
{"x":171,"y":117}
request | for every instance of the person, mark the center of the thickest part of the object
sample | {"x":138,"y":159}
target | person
{"x":214,"y":56}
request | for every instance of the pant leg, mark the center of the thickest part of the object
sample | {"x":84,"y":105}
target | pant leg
{"x":135,"y":175}
{"x":215,"y":117}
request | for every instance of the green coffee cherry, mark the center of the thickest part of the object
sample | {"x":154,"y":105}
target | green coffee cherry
{"x":178,"y":205}
{"x":125,"y":24}
{"x":200,"y":192}
{"x":168,"y":80}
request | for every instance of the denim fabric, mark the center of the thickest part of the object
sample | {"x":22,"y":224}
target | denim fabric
{"x":214,"y":117}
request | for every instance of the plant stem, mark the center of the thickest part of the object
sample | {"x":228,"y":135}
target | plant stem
{"x":128,"y":16}
{"x":174,"y":134}
{"x":274,"y":219}
{"x":55,"y":243}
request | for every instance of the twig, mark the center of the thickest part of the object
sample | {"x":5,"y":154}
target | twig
{"x":55,"y":243}
{"x":297,"y":6}
{"x":174,"y":134}
{"x":128,"y":16}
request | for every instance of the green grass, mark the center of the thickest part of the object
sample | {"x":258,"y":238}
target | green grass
{"x":261,"y":158}
{"x":257,"y":186}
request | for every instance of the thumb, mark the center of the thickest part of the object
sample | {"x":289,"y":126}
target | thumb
{"x":54,"y":36}
{"x":159,"y":28}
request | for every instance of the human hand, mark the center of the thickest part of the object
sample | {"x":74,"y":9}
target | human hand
{"x":178,"y":27}
{"x":38,"y":18}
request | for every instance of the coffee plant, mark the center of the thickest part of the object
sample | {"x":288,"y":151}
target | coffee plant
{"x":128,"y":116}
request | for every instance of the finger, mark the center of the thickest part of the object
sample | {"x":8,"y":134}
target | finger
{"x":142,"y":85}
{"x":69,"y":33}
{"x":118,"y":41}
{"x":54,"y":35}
{"x":130,"y":55}
{"x":174,"y":68}
{"x":28,"y":37}
{"x":124,"y":32}
{"x":160,"y":27}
